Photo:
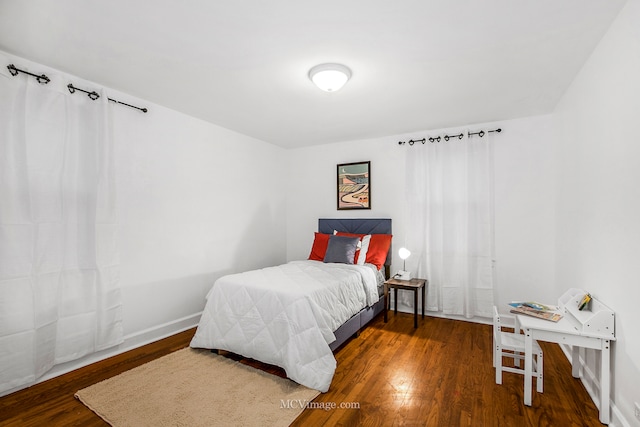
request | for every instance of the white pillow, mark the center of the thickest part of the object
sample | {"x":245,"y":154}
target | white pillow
{"x":364,"y":247}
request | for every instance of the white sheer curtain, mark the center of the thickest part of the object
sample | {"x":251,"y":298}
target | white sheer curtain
{"x":450,"y":222}
{"x":59,"y":287}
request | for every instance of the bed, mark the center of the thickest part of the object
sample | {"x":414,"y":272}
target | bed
{"x":295,"y":315}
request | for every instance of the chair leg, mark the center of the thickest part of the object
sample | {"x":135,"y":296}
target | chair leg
{"x":494,"y":352}
{"x":497,"y":353}
{"x":540,"y":371}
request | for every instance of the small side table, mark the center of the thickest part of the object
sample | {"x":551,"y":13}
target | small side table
{"x":412,"y":285}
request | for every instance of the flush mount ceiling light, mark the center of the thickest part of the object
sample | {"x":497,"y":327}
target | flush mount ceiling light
{"x":329,"y":77}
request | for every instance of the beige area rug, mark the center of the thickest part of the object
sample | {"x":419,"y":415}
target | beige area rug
{"x":196,"y":388}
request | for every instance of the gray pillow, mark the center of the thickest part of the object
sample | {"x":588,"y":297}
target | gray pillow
{"x":341,"y":249}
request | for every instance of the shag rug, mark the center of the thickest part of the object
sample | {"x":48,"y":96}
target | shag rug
{"x":194,"y":387}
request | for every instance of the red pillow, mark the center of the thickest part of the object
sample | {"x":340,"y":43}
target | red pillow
{"x":378,"y":248}
{"x":319,"y":247}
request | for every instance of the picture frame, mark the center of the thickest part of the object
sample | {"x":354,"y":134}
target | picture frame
{"x":354,"y":186}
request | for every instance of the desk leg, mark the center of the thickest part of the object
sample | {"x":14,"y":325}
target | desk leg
{"x":423,"y":301}
{"x":605,"y":381}
{"x":528,"y":356}
{"x":415,"y":308}
{"x":386,"y":301}
{"x":395,"y":300}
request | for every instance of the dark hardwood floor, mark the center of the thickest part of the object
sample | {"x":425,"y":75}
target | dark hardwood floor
{"x":440,"y":374}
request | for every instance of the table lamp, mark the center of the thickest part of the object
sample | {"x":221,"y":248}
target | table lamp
{"x":403,"y":274}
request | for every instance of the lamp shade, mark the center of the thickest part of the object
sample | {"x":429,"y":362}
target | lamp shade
{"x":330,"y":77}
{"x":404,"y":253}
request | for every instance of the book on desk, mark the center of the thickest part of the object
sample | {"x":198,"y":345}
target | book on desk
{"x":534,"y":309}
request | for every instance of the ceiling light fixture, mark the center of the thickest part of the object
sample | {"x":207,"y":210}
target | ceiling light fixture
{"x":330,"y":77}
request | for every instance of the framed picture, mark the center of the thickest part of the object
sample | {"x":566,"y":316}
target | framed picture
{"x":354,"y":186}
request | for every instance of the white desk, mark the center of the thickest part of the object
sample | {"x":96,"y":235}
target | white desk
{"x":565,"y":331}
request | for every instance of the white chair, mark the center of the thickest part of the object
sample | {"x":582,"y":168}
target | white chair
{"x":511,"y":345}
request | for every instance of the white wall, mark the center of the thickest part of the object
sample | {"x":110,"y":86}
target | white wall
{"x":311,"y":187}
{"x":524,"y":194}
{"x":598,"y":206}
{"x":195,"y":201}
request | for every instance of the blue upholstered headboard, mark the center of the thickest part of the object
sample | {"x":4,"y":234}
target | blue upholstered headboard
{"x":357,"y":226}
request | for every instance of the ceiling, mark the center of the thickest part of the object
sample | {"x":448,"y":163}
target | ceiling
{"x":243,"y":65}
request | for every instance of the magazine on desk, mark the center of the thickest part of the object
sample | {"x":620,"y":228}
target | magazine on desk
{"x":534,"y":309}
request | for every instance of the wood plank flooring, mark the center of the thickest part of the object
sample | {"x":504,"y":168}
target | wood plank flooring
{"x":440,"y":374}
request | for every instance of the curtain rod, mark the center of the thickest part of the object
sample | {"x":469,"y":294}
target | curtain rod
{"x":43,"y":79}
{"x":447,"y":137}
{"x":94,"y":95}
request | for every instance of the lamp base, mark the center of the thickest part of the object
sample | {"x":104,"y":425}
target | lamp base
{"x":403,"y":275}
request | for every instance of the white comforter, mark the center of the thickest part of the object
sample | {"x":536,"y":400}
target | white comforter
{"x":286,"y":315}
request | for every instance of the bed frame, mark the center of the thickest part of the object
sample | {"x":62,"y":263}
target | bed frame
{"x":358,"y":226}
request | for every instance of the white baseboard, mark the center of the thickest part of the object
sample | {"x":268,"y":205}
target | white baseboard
{"x":157,"y":333}
{"x":131,"y":341}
